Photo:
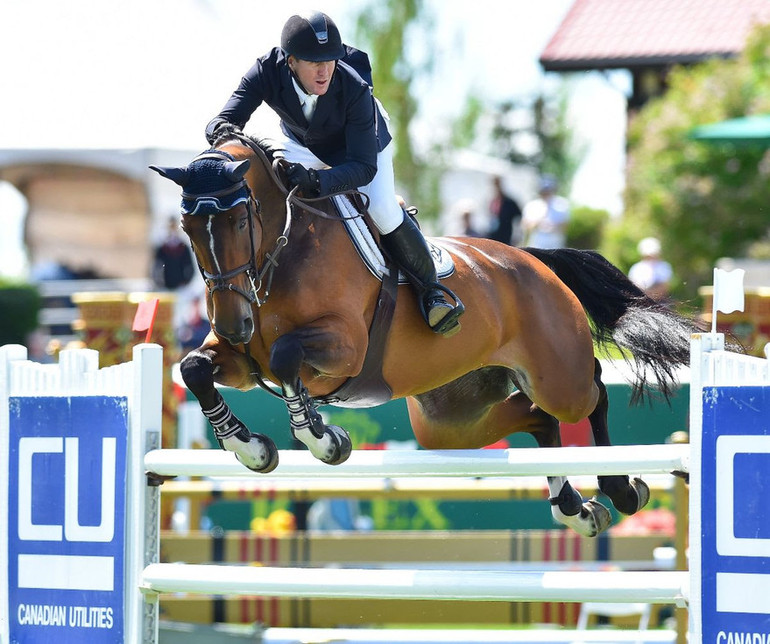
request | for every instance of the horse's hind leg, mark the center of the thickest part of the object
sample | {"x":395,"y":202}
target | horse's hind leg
{"x":587,"y":518}
{"x":479,"y":409}
{"x":255,"y":451}
{"x":627,"y":495}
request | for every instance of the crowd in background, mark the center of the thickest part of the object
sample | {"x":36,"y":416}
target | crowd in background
{"x":542,"y":223}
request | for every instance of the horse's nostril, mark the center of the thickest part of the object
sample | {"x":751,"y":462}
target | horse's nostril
{"x":248,"y":329}
{"x":239,"y":334}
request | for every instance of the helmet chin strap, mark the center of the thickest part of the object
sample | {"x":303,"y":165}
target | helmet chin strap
{"x":298,"y":81}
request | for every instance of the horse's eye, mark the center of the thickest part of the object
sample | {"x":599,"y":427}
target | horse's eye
{"x":242,"y":223}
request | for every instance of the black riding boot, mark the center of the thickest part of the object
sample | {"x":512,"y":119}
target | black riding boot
{"x":409,"y":250}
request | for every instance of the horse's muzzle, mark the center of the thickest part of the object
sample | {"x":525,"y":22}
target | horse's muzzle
{"x":240,"y":333}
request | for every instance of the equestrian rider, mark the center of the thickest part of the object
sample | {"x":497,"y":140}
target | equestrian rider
{"x":337,"y":139}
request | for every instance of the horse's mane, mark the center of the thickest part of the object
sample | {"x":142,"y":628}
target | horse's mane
{"x":267,"y":145}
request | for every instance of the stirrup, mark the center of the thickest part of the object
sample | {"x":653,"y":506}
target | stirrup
{"x":447,"y":325}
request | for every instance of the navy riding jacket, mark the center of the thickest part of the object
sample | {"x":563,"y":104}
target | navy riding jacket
{"x":346,"y":130}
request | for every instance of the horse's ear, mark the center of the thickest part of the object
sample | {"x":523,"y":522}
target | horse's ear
{"x":235,"y":170}
{"x":177,"y":175}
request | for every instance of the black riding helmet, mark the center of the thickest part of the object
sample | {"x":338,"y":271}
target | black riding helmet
{"x":312,"y":37}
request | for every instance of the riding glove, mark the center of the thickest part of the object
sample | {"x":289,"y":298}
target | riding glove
{"x":307,"y":180}
{"x":220,"y":129}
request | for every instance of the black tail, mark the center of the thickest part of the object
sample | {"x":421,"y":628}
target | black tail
{"x":657,"y":338}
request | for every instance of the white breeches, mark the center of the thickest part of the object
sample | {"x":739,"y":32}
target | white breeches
{"x":384,"y":208}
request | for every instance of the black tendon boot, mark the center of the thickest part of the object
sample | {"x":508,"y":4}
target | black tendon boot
{"x":409,"y":250}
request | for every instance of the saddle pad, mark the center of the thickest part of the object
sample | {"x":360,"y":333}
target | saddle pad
{"x":371,"y":254}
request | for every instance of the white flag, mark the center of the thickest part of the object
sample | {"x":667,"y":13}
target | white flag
{"x":728,"y":290}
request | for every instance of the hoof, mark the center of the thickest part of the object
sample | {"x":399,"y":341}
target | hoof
{"x":341,"y":445}
{"x":259,"y":454}
{"x":642,"y":492}
{"x":592,"y":518}
{"x":627,"y":495}
{"x":597,"y":518}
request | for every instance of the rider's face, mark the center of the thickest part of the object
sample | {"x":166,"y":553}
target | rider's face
{"x":314,"y":77}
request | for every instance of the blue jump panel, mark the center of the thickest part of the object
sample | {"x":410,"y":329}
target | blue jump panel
{"x":66,"y":519}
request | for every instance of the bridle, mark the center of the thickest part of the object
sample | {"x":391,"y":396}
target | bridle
{"x":222,"y":281}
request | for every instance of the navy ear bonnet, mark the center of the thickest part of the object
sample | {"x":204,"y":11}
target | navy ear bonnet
{"x":214,"y":183}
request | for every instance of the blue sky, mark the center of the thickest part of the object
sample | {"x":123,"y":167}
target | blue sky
{"x":149,"y":73}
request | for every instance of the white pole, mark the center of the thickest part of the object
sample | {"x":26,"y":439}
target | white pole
{"x":9,"y":354}
{"x":477,"y":585}
{"x":563,"y":461}
{"x":714,"y":303}
{"x":142,"y":502}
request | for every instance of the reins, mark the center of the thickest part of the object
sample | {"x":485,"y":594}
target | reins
{"x":291,"y":198}
{"x":271,"y":259}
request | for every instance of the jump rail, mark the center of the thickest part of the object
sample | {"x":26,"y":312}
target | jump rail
{"x":322,"y":487}
{"x":565,"y":461}
{"x":478,"y":585}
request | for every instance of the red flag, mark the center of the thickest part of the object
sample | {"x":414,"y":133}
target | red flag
{"x":145,"y":317}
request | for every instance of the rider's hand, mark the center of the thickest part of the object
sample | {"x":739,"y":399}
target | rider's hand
{"x":225,"y":127}
{"x":307,"y":180}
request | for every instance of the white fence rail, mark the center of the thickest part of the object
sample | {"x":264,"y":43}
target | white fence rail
{"x":565,"y":461}
{"x":460,"y":584}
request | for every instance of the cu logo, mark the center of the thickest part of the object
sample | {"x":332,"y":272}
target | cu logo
{"x":71,"y":530}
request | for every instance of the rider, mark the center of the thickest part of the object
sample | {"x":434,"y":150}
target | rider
{"x":337,"y":139}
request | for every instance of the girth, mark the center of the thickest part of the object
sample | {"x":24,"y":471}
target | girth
{"x":368,"y":388}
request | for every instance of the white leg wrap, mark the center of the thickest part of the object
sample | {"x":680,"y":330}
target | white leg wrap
{"x":555,"y":485}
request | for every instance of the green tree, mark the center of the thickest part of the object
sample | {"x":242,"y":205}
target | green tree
{"x":385,"y":29}
{"x":20,"y":304}
{"x":554,"y":151}
{"x":398,"y":36}
{"x":703,"y":201}
{"x":586,"y":227}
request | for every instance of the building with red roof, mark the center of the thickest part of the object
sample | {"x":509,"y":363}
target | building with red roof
{"x":648,"y":37}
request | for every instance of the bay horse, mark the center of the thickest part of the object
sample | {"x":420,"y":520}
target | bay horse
{"x":291,"y":305}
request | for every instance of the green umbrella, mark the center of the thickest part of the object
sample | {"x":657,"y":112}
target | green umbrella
{"x":746,"y":130}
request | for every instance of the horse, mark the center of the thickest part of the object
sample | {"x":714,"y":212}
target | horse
{"x":295,"y":310}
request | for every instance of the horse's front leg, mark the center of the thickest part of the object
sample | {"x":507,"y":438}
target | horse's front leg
{"x":320,"y":351}
{"x":199,"y":369}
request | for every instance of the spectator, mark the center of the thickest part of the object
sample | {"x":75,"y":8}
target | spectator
{"x":172,"y":265}
{"x":462,"y":220}
{"x":195,"y":326}
{"x":651,"y":273}
{"x":506,"y":215}
{"x":466,"y":221}
{"x":545,"y":218}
